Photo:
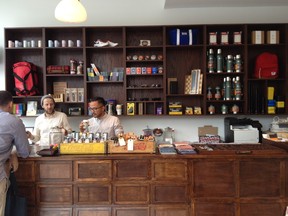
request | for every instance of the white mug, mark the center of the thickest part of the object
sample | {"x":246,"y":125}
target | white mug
{"x":70,"y":43}
{"x":78,"y":43}
{"x":63,"y":43}
{"x":119,"y":109}
{"x":50,"y":43}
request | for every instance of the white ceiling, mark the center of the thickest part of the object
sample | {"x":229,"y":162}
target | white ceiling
{"x":170,"y":4}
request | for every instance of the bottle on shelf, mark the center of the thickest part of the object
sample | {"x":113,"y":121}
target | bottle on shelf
{"x":211,"y":61}
{"x":219,"y":61}
{"x":209,"y":93}
{"x":238,"y":64}
{"x":217,"y":94}
{"x":229,"y":64}
{"x":238,"y":90}
{"x":224,"y":88}
{"x":228,"y":87}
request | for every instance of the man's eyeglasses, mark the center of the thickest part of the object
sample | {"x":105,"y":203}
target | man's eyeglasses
{"x":94,"y":108}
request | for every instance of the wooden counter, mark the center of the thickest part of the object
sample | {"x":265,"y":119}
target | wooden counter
{"x":156,"y":185}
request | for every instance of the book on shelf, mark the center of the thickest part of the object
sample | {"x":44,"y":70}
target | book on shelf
{"x":31,"y":108}
{"x":19,"y":109}
{"x":196,"y":81}
{"x":193,"y":82}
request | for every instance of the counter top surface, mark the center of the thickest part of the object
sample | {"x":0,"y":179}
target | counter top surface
{"x":219,"y":151}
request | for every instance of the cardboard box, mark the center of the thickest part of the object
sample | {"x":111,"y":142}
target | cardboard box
{"x":272,"y":37}
{"x":67,"y":94}
{"x":59,"y":88}
{"x":138,"y":147}
{"x":73,"y":95}
{"x":80,"y":92}
{"x":208,"y":134}
{"x":258,"y":37}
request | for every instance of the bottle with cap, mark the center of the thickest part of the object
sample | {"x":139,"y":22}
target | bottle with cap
{"x":238,"y":64}
{"x":228,"y":89}
{"x":219,"y":61}
{"x":211,"y":61}
{"x":238,"y":90}
{"x":229,"y":64}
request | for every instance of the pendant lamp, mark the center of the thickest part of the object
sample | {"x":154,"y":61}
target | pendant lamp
{"x":71,"y":11}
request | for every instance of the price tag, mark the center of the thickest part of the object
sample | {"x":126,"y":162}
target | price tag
{"x":130,"y":145}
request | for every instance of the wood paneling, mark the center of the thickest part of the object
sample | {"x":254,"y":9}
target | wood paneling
{"x":155,"y":185}
{"x":260,"y":178}
{"x":100,"y":211}
{"x":137,"y":193}
{"x":170,"y":170}
{"x":93,"y":170}
{"x":132,"y":169}
{"x":131,"y":211}
{"x":55,"y":194}
{"x":55,"y":211}
{"x":54,"y":171}
{"x":170,"y":193}
{"x":92,"y":194}
{"x":214,"y":178}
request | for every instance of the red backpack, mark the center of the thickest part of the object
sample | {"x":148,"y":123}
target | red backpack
{"x":266,"y":66}
{"x":25,"y":78}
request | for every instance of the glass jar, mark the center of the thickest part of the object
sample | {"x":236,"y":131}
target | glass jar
{"x":169,"y":135}
{"x":73,"y":65}
{"x":56,"y":136}
{"x":80,"y":67}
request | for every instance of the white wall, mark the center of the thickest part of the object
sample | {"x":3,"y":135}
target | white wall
{"x":35,"y":13}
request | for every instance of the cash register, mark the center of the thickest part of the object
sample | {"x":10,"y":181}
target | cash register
{"x":242,"y":130}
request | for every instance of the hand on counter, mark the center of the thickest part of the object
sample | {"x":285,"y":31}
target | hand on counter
{"x":29,"y":135}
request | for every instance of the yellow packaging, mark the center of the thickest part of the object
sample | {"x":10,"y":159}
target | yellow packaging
{"x":83,"y":148}
{"x":130,"y":108}
{"x":271,"y":110}
{"x":270,"y":93}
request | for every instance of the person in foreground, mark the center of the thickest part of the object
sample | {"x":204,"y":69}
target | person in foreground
{"x":48,"y":120}
{"x":12,"y":134}
{"x":101,"y":121}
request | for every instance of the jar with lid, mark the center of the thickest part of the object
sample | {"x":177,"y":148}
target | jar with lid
{"x":211,"y":109}
{"x":56,"y":136}
{"x":218,"y":93}
{"x":80,"y":67}
{"x":209,"y":93}
{"x":169,"y":135}
{"x":73,"y":65}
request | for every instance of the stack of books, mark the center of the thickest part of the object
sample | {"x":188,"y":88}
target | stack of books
{"x":166,"y":148}
{"x":184,"y":148}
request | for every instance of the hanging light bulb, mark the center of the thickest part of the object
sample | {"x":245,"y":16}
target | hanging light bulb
{"x":71,"y":11}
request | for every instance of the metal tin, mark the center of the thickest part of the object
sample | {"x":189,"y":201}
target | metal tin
{"x":91,"y":137}
{"x":97,"y":136}
{"x":104,"y":136}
